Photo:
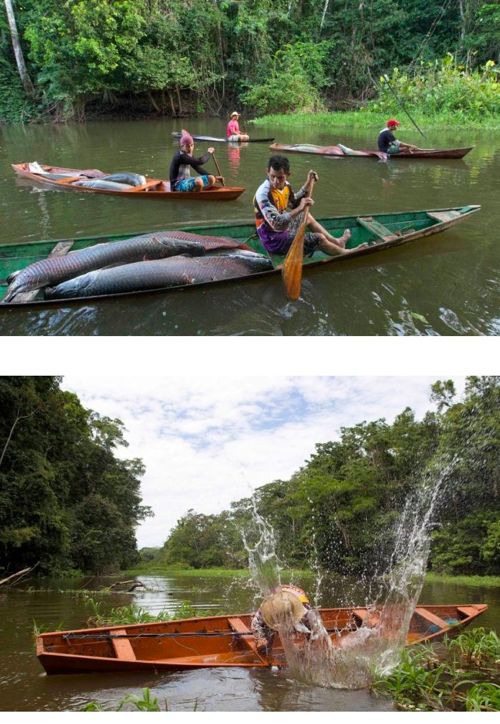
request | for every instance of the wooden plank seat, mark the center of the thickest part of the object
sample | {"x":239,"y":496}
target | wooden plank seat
{"x":60,"y":249}
{"x":122,"y":647}
{"x":443,"y":215}
{"x":377,"y":228}
{"x":368,"y":618}
{"x":246,"y":635}
{"x":467,"y":610}
{"x":432,"y":618}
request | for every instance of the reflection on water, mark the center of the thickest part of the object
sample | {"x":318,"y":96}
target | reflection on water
{"x":447,"y":285}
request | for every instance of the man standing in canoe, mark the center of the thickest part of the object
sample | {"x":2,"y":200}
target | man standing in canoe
{"x":233,"y":132}
{"x":388,"y":143}
{"x":183,"y":161}
{"x":287,"y":610}
{"x":278,"y":213}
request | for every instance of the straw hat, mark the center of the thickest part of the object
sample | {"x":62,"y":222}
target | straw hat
{"x":282,"y":609}
{"x":234,"y":113}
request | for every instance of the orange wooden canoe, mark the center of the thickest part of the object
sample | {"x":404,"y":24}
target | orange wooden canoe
{"x":215,"y":641}
{"x":68,"y":179}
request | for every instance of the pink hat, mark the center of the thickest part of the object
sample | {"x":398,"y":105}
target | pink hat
{"x":186,"y":138}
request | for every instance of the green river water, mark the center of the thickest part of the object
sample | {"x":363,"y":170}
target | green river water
{"x":25,"y":686}
{"x":446,"y":285}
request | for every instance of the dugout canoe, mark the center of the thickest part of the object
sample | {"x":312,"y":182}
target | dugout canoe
{"x":216,"y":139}
{"x":340,"y":151}
{"x":153,"y":188}
{"x":218,"y":641}
{"x":380,"y":231}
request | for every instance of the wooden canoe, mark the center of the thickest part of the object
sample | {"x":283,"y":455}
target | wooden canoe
{"x":379,"y":231}
{"x":338,"y":152}
{"x":215,"y":139}
{"x":217,"y":641}
{"x":154,"y":188}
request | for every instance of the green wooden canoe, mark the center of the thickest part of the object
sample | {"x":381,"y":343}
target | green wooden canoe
{"x":380,"y":231}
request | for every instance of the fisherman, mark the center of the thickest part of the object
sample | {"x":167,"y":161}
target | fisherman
{"x":233,"y":132}
{"x":183,"y":161}
{"x":287,"y":610}
{"x":278,"y":214}
{"x":388,"y":143}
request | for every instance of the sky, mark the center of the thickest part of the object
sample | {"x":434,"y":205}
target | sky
{"x":209,"y":440}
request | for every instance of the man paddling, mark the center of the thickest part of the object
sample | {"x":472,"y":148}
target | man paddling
{"x":287,"y":610}
{"x":183,"y":161}
{"x":278,"y":214}
{"x":388,"y":143}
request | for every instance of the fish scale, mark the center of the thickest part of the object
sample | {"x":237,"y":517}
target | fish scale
{"x":156,"y":245}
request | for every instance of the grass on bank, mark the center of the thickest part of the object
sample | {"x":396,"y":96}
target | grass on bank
{"x":375,"y":120}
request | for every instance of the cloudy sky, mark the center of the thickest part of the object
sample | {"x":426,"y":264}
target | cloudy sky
{"x":209,"y":440}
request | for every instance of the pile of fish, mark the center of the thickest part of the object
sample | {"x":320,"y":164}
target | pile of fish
{"x":150,"y":261}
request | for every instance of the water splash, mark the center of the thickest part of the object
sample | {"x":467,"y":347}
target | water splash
{"x":263,"y":562}
{"x":351,"y":659}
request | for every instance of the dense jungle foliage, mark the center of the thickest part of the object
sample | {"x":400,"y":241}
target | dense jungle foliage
{"x":341,"y":509}
{"x":174,"y":57}
{"x":66,"y":500}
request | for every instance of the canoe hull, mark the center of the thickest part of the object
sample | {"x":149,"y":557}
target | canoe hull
{"x":380,"y":231}
{"x":217,"y":641}
{"x":155,"y":188}
{"x":336,"y":151}
{"x":216,"y":139}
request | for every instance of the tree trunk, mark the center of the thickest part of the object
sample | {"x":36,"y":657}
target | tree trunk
{"x":18,"y":51}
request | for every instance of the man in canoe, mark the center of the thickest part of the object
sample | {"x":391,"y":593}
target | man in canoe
{"x":388,"y":143}
{"x":233,"y":132}
{"x":285,"y":609}
{"x":278,"y":213}
{"x":183,"y":161}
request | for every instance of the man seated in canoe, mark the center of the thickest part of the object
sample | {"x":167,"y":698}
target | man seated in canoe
{"x":278,"y":213}
{"x":287,"y":610}
{"x":183,"y":161}
{"x":233,"y":132}
{"x":388,"y":143}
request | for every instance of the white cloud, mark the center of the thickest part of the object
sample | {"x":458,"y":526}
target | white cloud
{"x":209,"y":440}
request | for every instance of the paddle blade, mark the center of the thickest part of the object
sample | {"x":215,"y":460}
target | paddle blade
{"x":292,"y":268}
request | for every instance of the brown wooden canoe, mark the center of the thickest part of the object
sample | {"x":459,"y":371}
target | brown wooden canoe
{"x":217,"y":641}
{"x":338,"y":152}
{"x":152,"y":189}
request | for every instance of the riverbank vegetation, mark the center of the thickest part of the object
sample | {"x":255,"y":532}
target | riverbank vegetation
{"x":67,"y":501}
{"x":340,"y":511}
{"x":82,"y":58}
{"x":461,"y":674}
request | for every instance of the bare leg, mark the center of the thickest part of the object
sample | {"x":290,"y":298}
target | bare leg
{"x":316,"y":227}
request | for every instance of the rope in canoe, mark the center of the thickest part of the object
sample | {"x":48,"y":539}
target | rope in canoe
{"x":170,"y":634}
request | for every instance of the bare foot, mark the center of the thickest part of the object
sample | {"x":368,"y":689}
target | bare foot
{"x":342,"y":240}
{"x":365,"y":245}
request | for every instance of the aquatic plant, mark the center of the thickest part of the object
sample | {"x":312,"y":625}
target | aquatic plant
{"x":476,"y":646}
{"x":425,"y":682}
{"x":144,"y":703}
{"x":134,"y":614}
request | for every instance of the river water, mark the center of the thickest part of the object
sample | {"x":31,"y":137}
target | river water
{"x":446,"y":285}
{"x":25,"y":686}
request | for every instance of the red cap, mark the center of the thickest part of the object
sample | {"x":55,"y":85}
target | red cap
{"x":392,"y":122}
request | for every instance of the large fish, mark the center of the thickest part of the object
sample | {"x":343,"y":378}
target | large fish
{"x":176,"y":271}
{"x":53,"y":270}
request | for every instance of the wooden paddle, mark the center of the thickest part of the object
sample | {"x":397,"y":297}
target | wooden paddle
{"x":292,"y":268}
{"x":217,"y":167}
